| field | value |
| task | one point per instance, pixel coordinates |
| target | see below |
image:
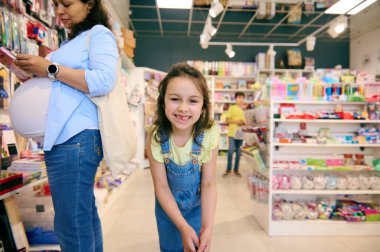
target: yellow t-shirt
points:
(234, 113)
(181, 155)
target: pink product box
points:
(335, 162)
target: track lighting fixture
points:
(204, 39)
(209, 27)
(216, 8)
(229, 51)
(310, 43)
(337, 26)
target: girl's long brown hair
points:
(162, 125)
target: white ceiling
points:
(365, 21)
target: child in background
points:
(182, 149)
(235, 118)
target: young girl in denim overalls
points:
(182, 150)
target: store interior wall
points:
(365, 46)
(161, 53)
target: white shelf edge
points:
(233, 90)
(319, 102)
(325, 145)
(325, 192)
(316, 170)
(24, 188)
(231, 102)
(323, 228)
(231, 77)
(325, 121)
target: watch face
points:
(52, 69)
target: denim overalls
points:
(185, 184)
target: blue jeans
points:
(233, 146)
(71, 169)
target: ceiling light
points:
(216, 8)
(361, 7)
(331, 31)
(341, 24)
(174, 4)
(337, 26)
(209, 27)
(343, 6)
(229, 51)
(204, 45)
(310, 43)
(205, 37)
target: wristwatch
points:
(52, 71)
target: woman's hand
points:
(189, 239)
(205, 240)
(33, 64)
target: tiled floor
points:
(130, 223)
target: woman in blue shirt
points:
(72, 142)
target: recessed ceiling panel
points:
(258, 29)
(231, 28)
(141, 26)
(232, 16)
(174, 14)
(143, 13)
(175, 26)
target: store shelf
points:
(24, 188)
(325, 121)
(326, 192)
(319, 102)
(230, 77)
(324, 228)
(324, 170)
(329, 150)
(233, 90)
(325, 145)
(230, 102)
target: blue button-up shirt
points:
(70, 110)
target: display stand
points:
(328, 151)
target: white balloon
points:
(28, 107)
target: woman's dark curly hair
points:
(97, 15)
(162, 125)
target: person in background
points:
(235, 119)
(72, 142)
(182, 148)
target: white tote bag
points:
(115, 125)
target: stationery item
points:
(7, 58)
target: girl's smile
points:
(183, 103)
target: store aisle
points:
(130, 223)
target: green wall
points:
(161, 53)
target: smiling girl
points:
(182, 150)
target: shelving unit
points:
(24, 188)
(263, 74)
(296, 151)
(146, 79)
